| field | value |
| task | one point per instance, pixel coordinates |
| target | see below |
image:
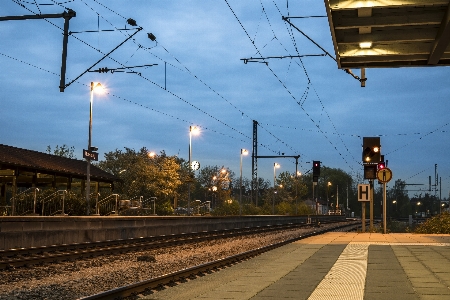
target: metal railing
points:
(108, 206)
(53, 204)
(150, 200)
(24, 203)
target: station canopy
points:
(35, 168)
(390, 33)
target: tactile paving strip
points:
(346, 279)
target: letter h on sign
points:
(363, 192)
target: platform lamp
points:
(95, 86)
(275, 166)
(243, 152)
(192, 130)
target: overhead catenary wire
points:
(301, 100)
(189, 71)
(173, 94)
(200, 80)
(153, 83)
(281, 82)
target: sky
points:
(304, 106)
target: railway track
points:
(145, 287)
(15, 258)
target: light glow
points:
(365, 45)
(97, 87)
(194, 130)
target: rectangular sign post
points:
(90, 155)
(384, 208)
(363, 192)
(363, 197)
(363, 217)
(371, 206)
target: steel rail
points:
(14, 258)
(145, 287)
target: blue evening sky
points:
(305, 107)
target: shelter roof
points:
(390, 33)
(34, 161)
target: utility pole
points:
(67, 16)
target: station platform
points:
(335, 265)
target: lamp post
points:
(214, 195)
(94, 87)
(275, 166)
(243, 152)
(328, 190)
(337, 198)
(192, 130)
(395, 202)
(418, 209)
(298, 173)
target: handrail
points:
(152, 199)
(13, 199)
(104, 200)
(61, 193)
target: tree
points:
(215, 183)
(64, 151)
(145, 174)
(401, 207)
(291, 187)
(334, 185)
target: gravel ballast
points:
(81, 278)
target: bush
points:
(439, 224)
(227, 209)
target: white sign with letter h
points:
(363, 192)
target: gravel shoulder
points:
(72, 280)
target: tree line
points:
(146, 174)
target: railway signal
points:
(371, 150)
(316, 170)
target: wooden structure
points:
(22, 168)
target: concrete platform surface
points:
(335, 265)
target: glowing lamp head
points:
(96, 87)
(194, 130)
(365, 45)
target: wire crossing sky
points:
(194, 73)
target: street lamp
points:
(192, 130)
(395, 202)
(94, 87)
(337, 198)
(275, 166)
(418, 208)
(328, 191)
(298, 173)
(243, 152)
